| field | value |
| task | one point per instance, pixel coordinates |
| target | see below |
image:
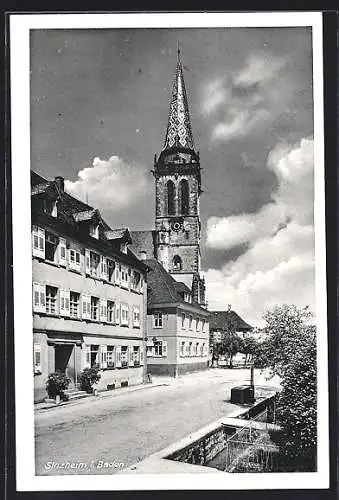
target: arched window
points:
(170, 198)
(177, 263)
(184, 196)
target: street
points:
(105, 435)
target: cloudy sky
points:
(99, 106)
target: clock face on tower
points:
(176, 225)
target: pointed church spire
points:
(179, 131)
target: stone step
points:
(78, 395)
(75, 393)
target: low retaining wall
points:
(174, 369)
(190, 453)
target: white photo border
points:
(26, 480)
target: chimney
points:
(60, 182)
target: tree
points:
(289, 350)
(230, 345)
(249, 347)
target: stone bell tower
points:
(177, 191)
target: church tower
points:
(177, 191)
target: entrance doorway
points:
(64, 362)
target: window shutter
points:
(186, 349)
(103, 310)
(39, 297)
(87, 261)
(103, 268)
(37, 358)
(131, 356)
(86, 356)
(118, 356)
(86, 307)
(117, 274)
(35, 242)
(38, 242)
(41, 236)
(62, 252)
(103, 356)
(117, 314)
(141, 354)
(67, 300)
(62, 307)
(149, 353)
(164, 349)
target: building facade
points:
(177, 326)
(89, 293)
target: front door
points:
(63, 360)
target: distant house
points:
(220, 322)
(177, 326)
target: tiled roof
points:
(162, 287)
(73, 211)
(218, 320)
(118, 234)
(143, 241)
(40, 188)
(182, 287)
(84, 215)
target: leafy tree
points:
(289, 350)
(249, 347)
(230, 346)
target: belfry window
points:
(170, 198)
(177, 263)
(184, 196)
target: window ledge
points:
(51, 263)
(76, 271)
(137, 327)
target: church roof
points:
(162, 288)
(143, 241)
(218, 320)
(179, 131)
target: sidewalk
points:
(104, 394)
(225, 376)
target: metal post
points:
(252, 376)
(75, 367)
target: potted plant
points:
(88, 377)
(56, 384)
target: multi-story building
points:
(89, 292)
(177, 326)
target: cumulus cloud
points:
(112, 184)
(278, 265)
(258, 68)
(245, 98)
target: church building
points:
(173, 246)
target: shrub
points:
(88, 377)
(56, 384)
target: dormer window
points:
(50, 207)
(123, 247)
(94, 231)
(187, 297)
(54, 212)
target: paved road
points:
(96, 436)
